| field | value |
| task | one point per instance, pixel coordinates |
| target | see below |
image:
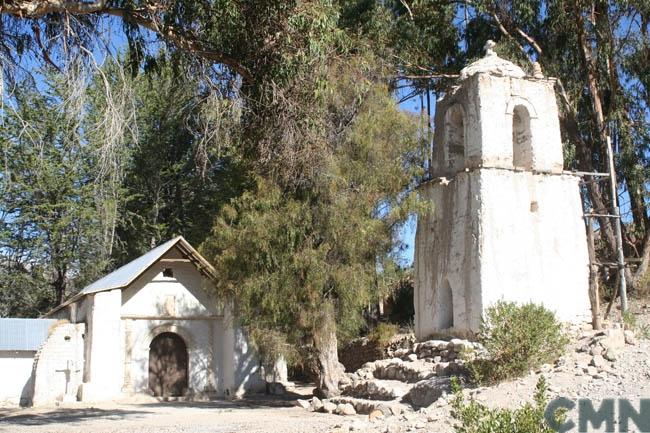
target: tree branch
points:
(35, 9)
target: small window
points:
(522, 149)
(168, 272)
(66, 338)
(455, 138)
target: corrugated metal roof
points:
(23, 334)
(122, 277)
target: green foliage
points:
(180, 169)
(50, 236)
(629, 320)
(517, 338)
(475, 417)
(286, 255)
(631, 323)
(383, 333)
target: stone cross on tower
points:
(508, 222)
(489, 44)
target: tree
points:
(301, 264)
(50, 243)
(180, 168)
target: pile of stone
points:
(365, 350)
(416, 376)
(601, 349)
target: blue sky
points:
(407, 234)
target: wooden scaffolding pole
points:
(594, 296)
(617, 227)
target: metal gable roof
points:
(24, 334)
(125, 275)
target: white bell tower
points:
(505, 222)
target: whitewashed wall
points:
(494, 231)
(15, 376)
(220, 362)
(58, 365)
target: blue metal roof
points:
(23, 334)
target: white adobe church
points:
(506, 222)
(150, 327)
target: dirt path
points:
(213, 417)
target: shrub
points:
(517, 338)
(383, 333)
(630, 323)
(474, 417)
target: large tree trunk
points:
(331, 371)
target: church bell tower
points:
(505, 221)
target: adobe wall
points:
(57, 370)
(220, 360)
(499, 234)
(104, 350)
(16, 376)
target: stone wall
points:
(58, 365)
(363, 350)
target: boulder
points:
(316, 404)
(345, 409)
(598, 361)
(328, 407)
(425, 392)
(305, 404)
(610, 355)
(613, 339)
(630, 338)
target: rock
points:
(345, 409)
(328, 407)
(591, 371)
(610, 355)
(305, 404)
(425, 392)
(276, 388)
(375, 415)
(358, 426)
(613, 339)
(385, 409)
(412, 357)
(596, 350)
(377, 389)
(393, 428)
(598, 361)
(316, 404)
(630, 338)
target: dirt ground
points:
(252, 415)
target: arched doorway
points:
(168, 365)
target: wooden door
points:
(168, 365)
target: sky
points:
(407, 233)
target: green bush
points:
(383, 333)
(474, 417)
(517, 338)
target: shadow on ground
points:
(250, 401)
(126, 410)
(69, 415)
